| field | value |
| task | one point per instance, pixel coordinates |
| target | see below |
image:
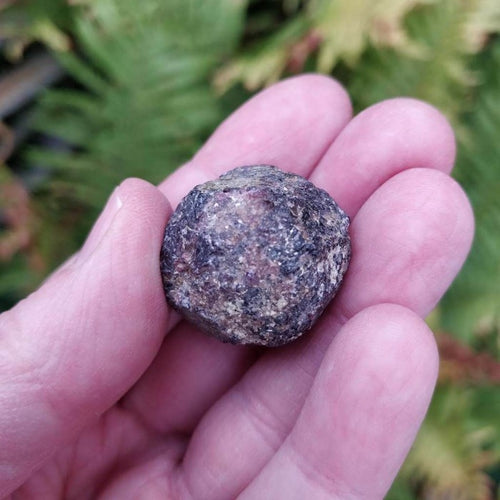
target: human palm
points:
(105, 393)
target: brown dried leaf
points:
(17, 215)
(461, 365)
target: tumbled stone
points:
(255, 256)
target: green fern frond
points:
(439, 75)
(453, 448)
(472, 305)
(148, 103)
(401, 489)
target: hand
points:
(105, 393)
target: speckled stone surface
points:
(255, 256)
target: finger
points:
(73, 347)
(362, 415)
(380, 142)
(290, 125)
(409, 239)
(385, 139)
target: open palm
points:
(105, 393)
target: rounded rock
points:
(255, 256)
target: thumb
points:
(75, 346)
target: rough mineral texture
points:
(255, 256)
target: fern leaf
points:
(453, 450)
(472, 305)
(148, 102)
(439, 74)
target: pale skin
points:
(105, 393)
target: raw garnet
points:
(255, 256)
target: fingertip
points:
(378, 143)
(307, 93)
(276, 124)
(410, 239)
(461, 205)
(138, 232)
(441, 202)
(130, 254)
(329, 94)
(364, 409)
(430, 126)
(141, 195)
(387, 333)
(373, 389)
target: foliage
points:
(471, 309)
(456, 446)
(148, 89)
(149, 80)
(34, 21)
(337, 31)
(140, 103)
(424, 54)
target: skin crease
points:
(104, 393)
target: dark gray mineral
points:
(255, 256)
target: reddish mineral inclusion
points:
(255, 256)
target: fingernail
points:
(102, 224)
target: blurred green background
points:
(93, 91)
